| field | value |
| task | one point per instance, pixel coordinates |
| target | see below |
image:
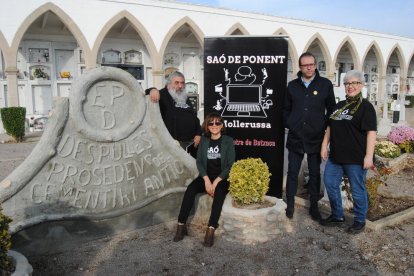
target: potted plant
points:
(11, 262)
(249, 181)
(391, 152)
(387, 149)
(249, 216)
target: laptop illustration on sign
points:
(243, 101)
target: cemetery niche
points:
(105, 159)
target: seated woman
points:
(215, 156)
(351, 136)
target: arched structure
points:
(165, 40)
(138, 27)
(195, 29)
(237, 29)
(48, 7)
(317, 39)
(348, 43)
(293, 67)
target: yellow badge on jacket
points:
(315, 92)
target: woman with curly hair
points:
(215, 156)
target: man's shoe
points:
(331, 221)
(356, 228)
(314, 212)
(181, 232)
(209, 238)
(289, 212)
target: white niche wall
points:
(58, 60)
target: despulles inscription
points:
(94, 175)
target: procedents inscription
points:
(92, 175)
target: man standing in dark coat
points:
(177, 111)
(308, 103)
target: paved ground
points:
(307, 249)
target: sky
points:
(394, 17)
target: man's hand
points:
(197, 140)
(155, 95)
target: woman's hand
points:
(325, 142)
(368, 162)
(215, 183)
(324, 153)
(208, 186)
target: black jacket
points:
(182, 123)
(306, 112)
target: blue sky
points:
(384, 16)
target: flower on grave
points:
(403, 136)
(387, 149)
(65, 74)
(39, 73)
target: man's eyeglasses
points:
(307, 65)
(215, 123)
(353, 84)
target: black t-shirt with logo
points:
(348, 140)
(214, 159)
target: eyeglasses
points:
(214, 123)
(307, 65)
(353, 84)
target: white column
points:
(12, 94)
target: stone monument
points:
(105, 162)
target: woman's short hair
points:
(354, 74)
(210, 118)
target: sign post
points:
(245, 82)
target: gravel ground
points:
(307, 249)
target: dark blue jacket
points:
(306, 112)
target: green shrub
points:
(249, 181)
(5, 241)
(13, 119)
(407, 146)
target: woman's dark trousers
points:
(196, 187)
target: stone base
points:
(22, 265)
(57, 236)
(253, 226)
(397, 164)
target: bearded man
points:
(177, 111)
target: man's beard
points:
(179, 97)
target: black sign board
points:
(245, 82)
